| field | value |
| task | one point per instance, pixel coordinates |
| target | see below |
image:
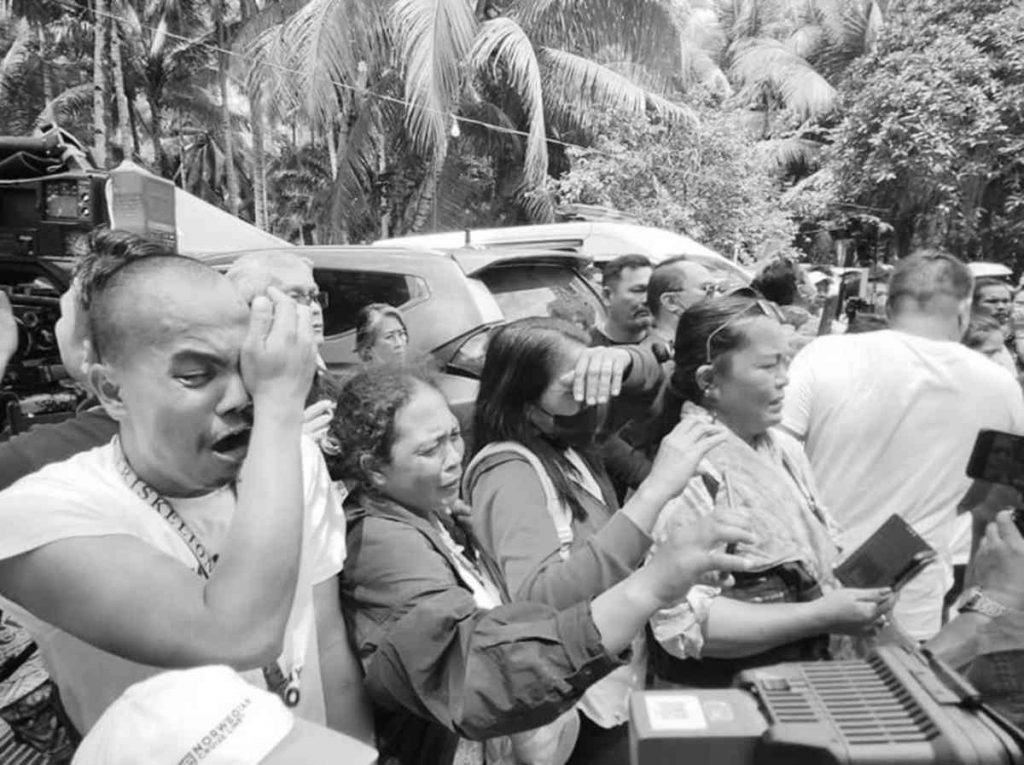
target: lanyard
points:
(805, 492)
(287, 687)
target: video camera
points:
(51, 198)
(899, 705)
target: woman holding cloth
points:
(731, 360)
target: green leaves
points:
(434, 37)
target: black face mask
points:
(576, 430)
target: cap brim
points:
(311, 744)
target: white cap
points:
(211, 716)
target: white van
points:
(601, 240)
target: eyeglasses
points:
(310, 296)
(765, 307)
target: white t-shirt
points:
(86, 496)
(889, 420)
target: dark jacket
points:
(438, 667)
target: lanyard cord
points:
(286, 687)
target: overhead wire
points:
(198, 41)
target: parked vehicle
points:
(600, 240)
(450, 302)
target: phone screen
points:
(998, 457)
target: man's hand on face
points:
(998, 565)
(279, 355)
(8, 330)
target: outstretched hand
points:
(693, 550)
(680, 454)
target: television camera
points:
(51, 199)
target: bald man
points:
(207, 532)
(256, 272)
(675, 285)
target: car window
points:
(348, 291)
(523, 290)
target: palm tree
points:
(450, 65)
(100, 125)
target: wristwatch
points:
(976, 600)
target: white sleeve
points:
(796, 407)
(679, 629)
(326, 519)
(36, 512)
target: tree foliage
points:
(709, 180)
(933, 132)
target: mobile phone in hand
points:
(998, 457)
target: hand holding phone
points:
(998, 457)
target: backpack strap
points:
(561, 516)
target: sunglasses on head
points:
(757, 306)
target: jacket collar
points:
(365, 505)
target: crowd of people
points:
(229, 528)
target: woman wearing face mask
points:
(543, 507)
(731, 361)
(449, 663)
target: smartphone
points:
(998, 457)
(891, 557)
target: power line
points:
(346, 86)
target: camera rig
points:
(51, 198)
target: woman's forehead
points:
(426, 415)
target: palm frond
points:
(763, 63)
(806, 41)
(317, 44)
(269, 60)
(17, 57)
(71, 104)
(271, 15)
(434, 37)
(503, 43)
(574, 86)
(647, 31)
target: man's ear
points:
(606, 294)
(106, 384)
(372, 470)
(669, 305)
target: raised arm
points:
(124, 596)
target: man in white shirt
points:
(207, 532)
(889, 419)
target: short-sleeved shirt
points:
(85, 496)
(889, 420)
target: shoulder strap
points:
(561, 516)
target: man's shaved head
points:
(149, 299)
